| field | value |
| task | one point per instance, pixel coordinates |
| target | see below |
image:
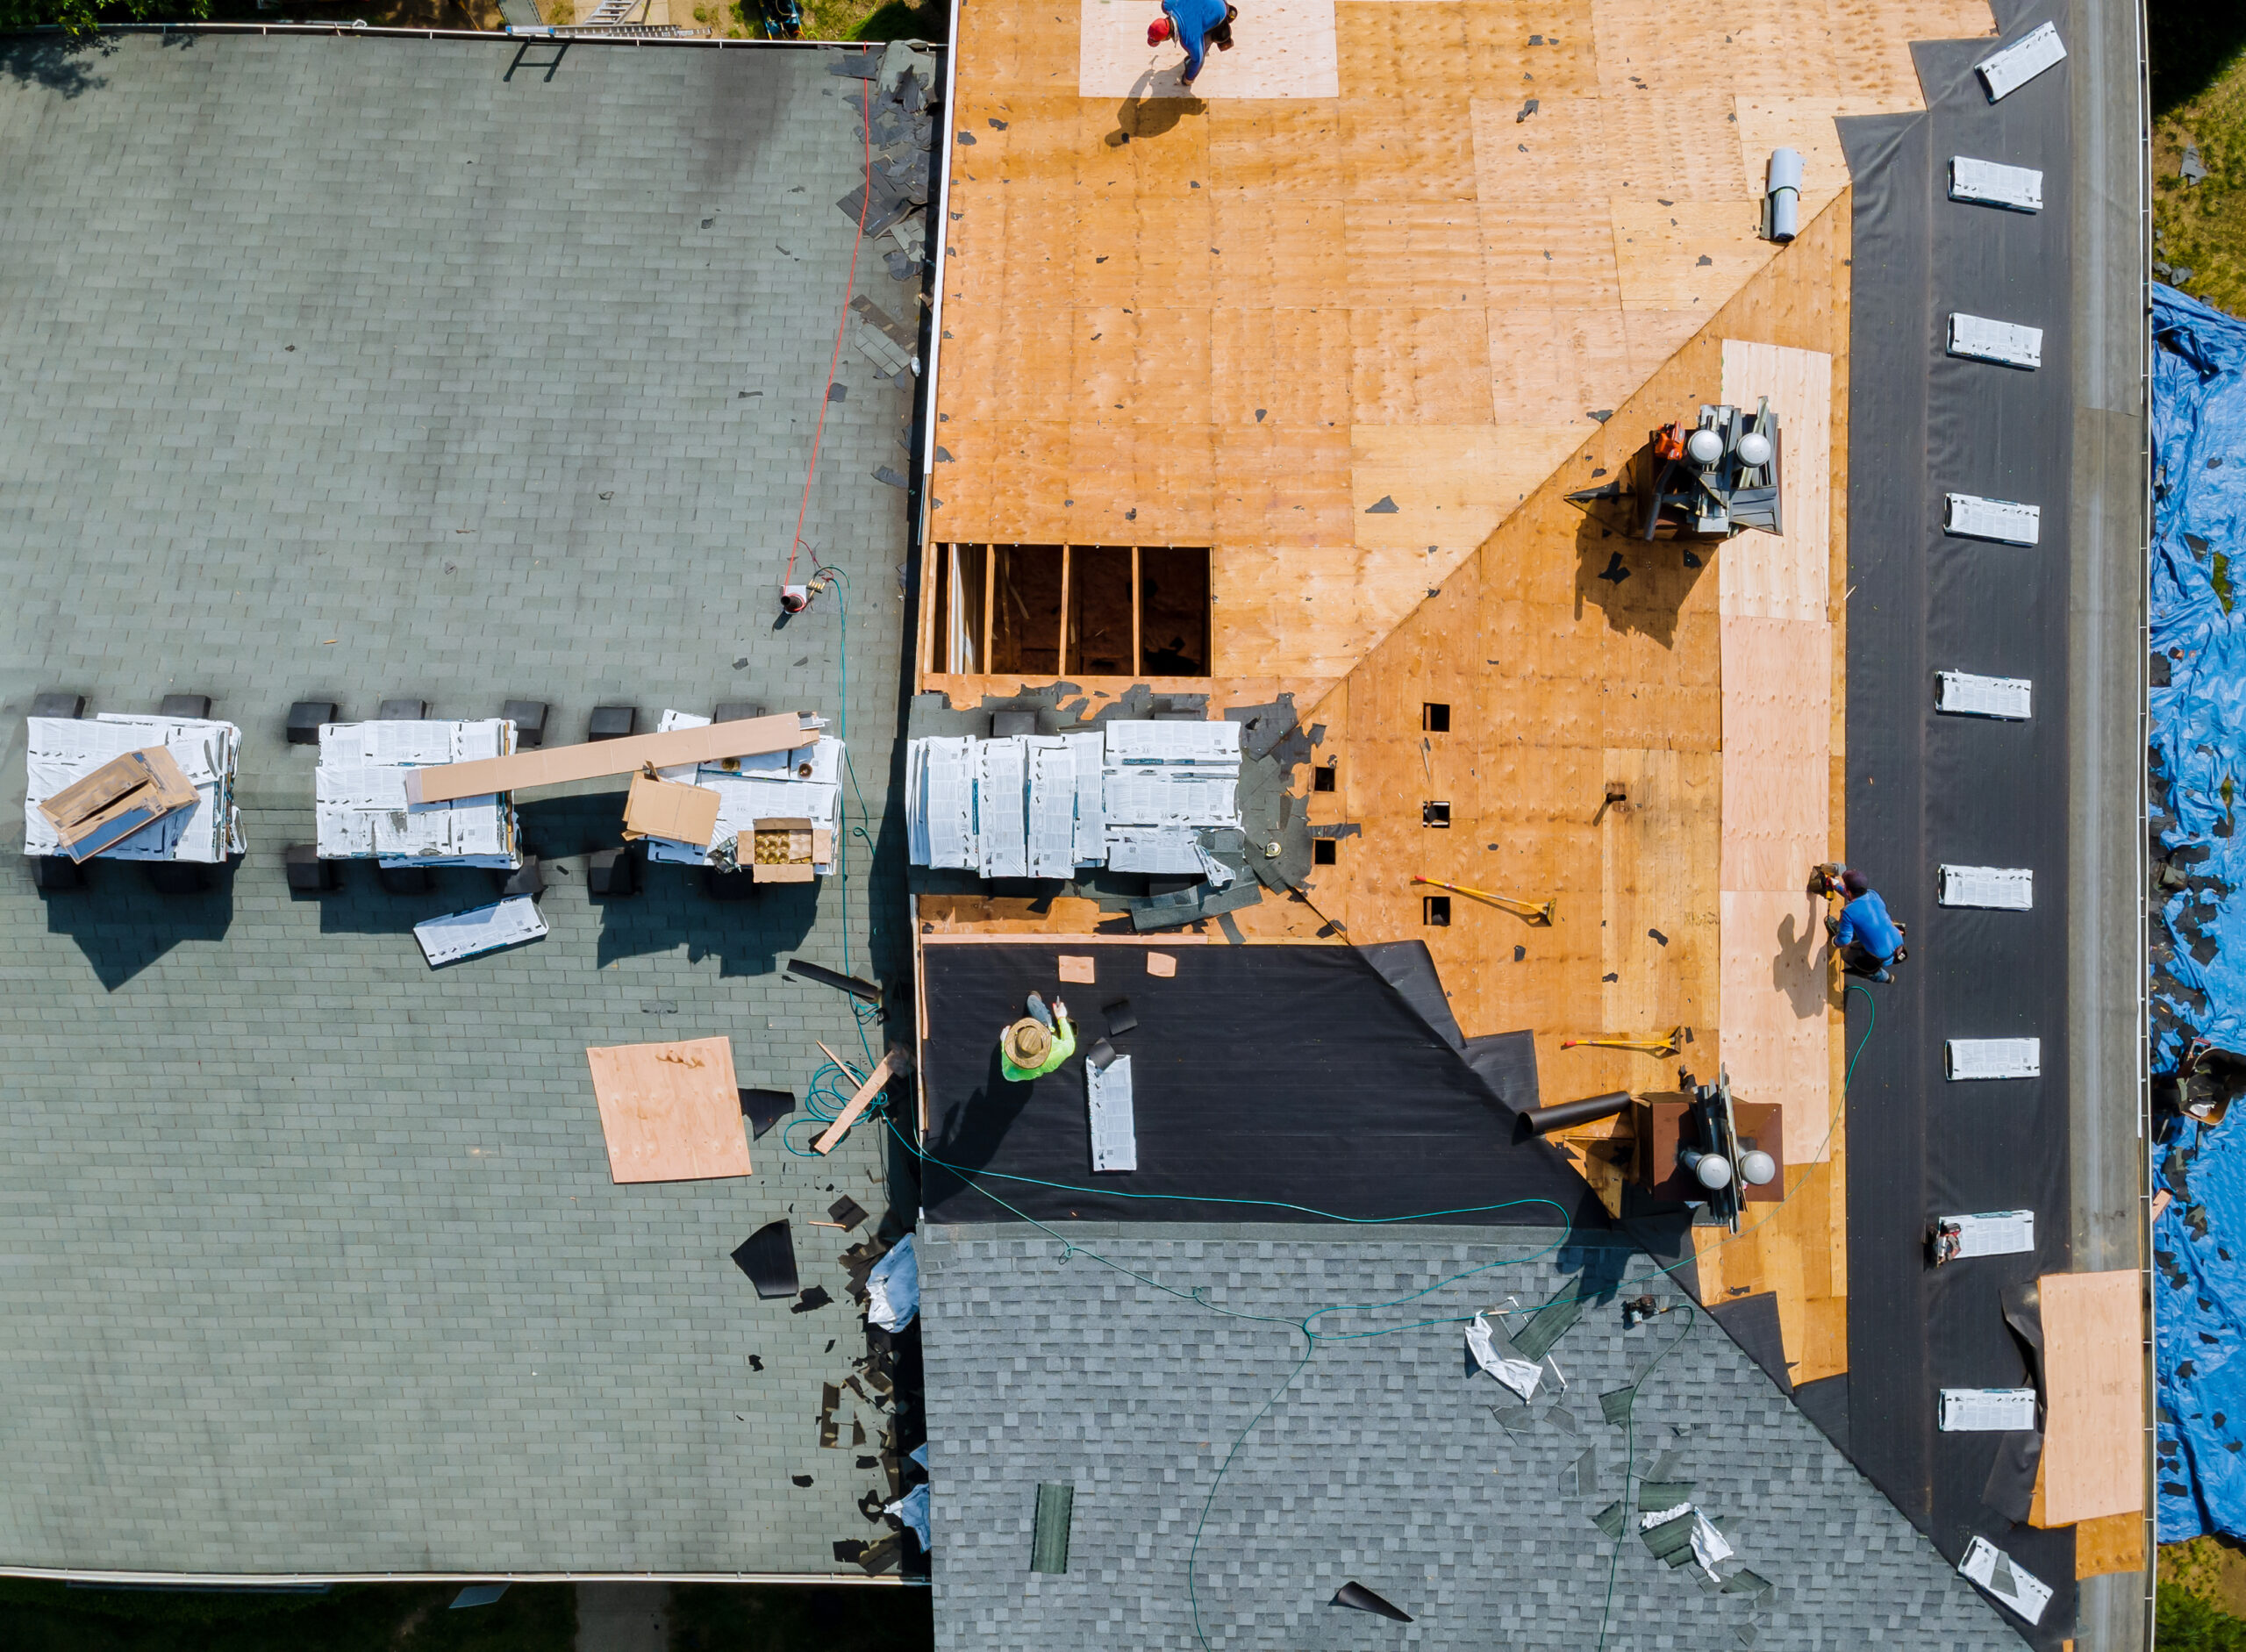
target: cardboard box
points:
(785, 849)
(670, 809)
(117, 799)
(555, 765)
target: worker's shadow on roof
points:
(1798, 968)
(1152, 108)
(122, 925)
(1639, 584)
(974, 1131)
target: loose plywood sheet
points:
(2093, 1368)
(1281, 49)
(671, 1112)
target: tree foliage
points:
(83, 18)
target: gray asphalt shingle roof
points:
(361, 368)
(1382, 1460)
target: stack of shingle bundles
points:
(63, 751)
(361, 809)
(1135, 795)
(1162, 785)
(801, 785)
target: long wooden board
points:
(2093, 1376)
(858, 1103)
(556, 765)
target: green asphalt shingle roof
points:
(349, 368)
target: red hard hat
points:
(1158, 30)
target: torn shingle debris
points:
(804, 969)
(1358, 1598)
(764, 1108)
(767, 1256)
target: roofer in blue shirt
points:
(1197, 25)
(1867, 939)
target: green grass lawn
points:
(2198, 98)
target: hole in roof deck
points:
(1322, 779)
(1026, 611)
(962, 574)
(1435, 911)
(1099, 611)
(1323, 852)
(1434, 717)
(1434, 814)
(1174, 611)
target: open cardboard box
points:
(670, 809)
(117, 799)
(785, 849)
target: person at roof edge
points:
(1039, 1042)
(1867, 940)
(1195, 24)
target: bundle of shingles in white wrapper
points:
(801, 785)
(1132, 796)
(64, 750)
(360, 807)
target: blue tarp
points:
(2198, 967)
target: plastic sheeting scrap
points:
(912, 1509)
(893, 1288)
(1708, 1545)
(2199, 965)
(1521, 1376)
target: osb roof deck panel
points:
(1245, 321)
(1575, 658)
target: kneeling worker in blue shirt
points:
(1197, 25)
(1868, 940)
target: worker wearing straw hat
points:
(1039, 1042)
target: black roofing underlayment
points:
(1296, 1075)
(1924, 789)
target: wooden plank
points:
(857, 1104)
(671, 1112)
(2093, 1369)
(557, 765)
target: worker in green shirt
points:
(1039, 1042)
